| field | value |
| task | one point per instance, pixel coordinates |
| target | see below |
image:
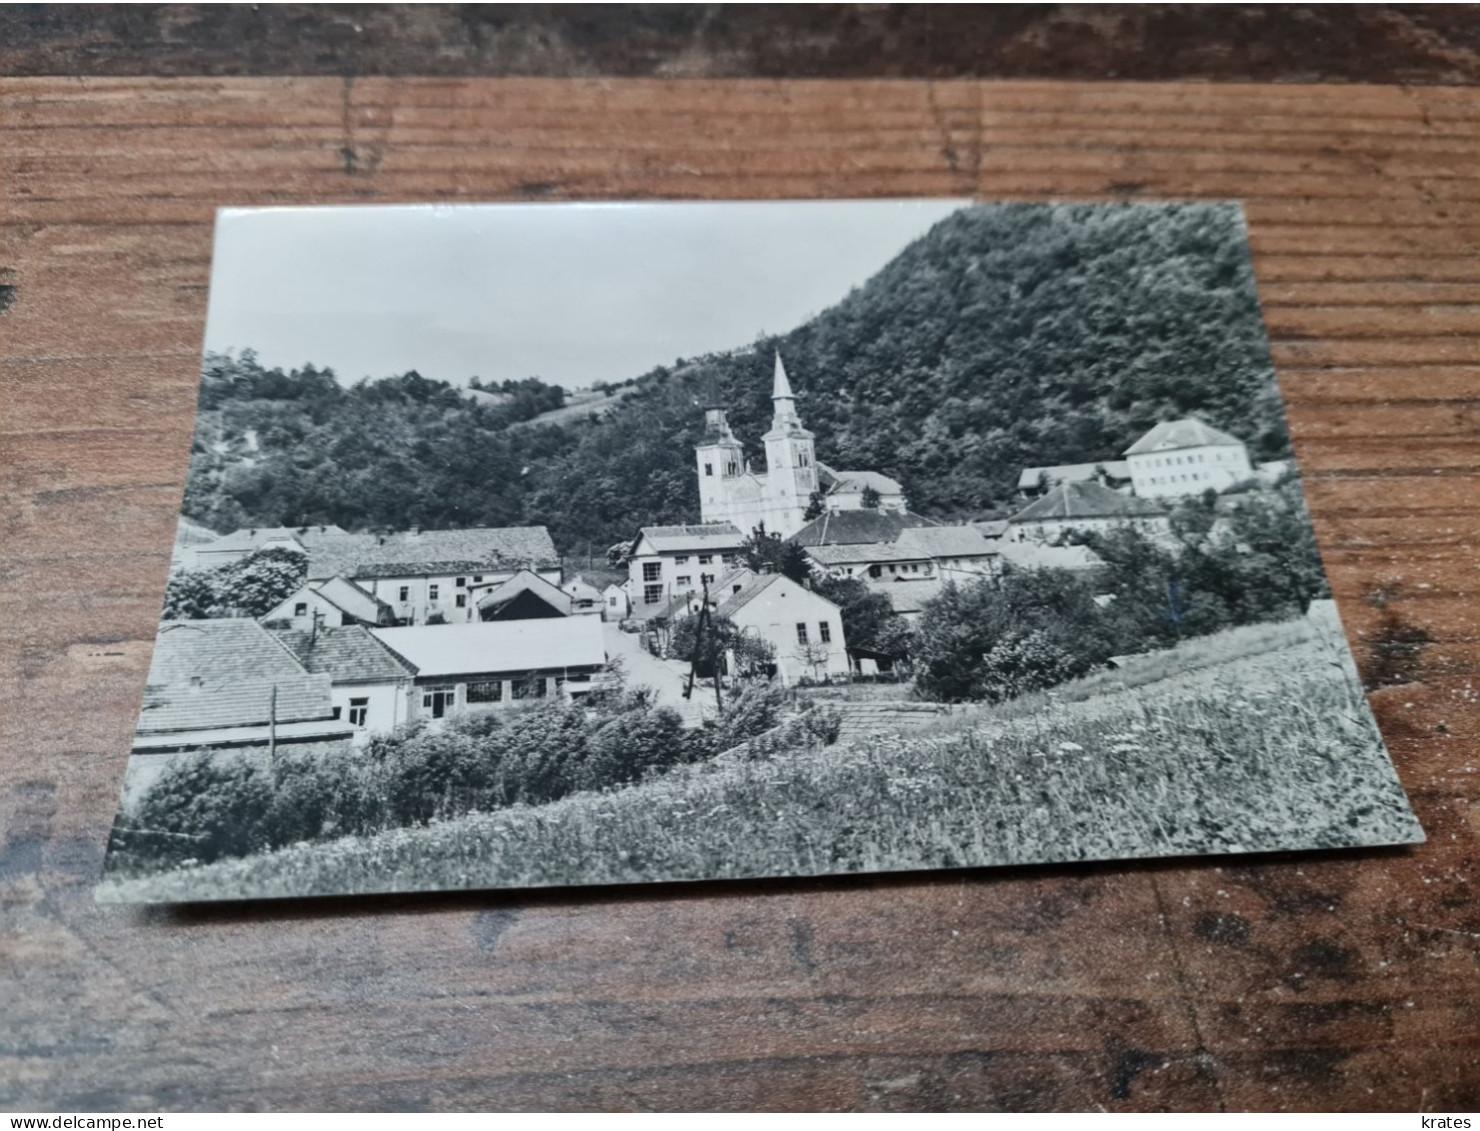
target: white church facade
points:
(779, 497)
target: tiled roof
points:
(221, 673)
(350, 654)
(992, 527)
(854, 482)
(737, 601)
(1170, 435)
(1085, 500)
(487, 647)
(250, 538)
(433, 552)
(526, 582)
(1039, 555)
(345, 595)
(864, 552)
(847, 527)
(705, 536)
(945, 542)
(910, 596)
(1073, 472)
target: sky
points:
(571, 293)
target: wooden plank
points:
(1313, 982)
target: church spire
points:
(784, 416)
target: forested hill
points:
(1006, 336)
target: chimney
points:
(415, 529)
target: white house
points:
(958, 553)
(1115, 473)
(525, 596)
(1084, 507)
(805, 629)
(333, 602)
(497, 664)
(1186, 457)
(370, 686)
(669, 561)
(585, 598)
(846, 490)
(616, 605)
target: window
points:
(727, 559)
(462, 600)
(681, 559)
(531, 688)
(705, 578)
(652, 594)
(801, 632)
(359, 709)
(611, 602)
(431, 592)
(683, 581)
(652, 571)
(461, 582)
(824, 632)
(491, 691)
(709, 469)
(300, 609)
(736, 587)
(706, 559)
(405, 593)
(477, 577)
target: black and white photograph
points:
(576, 544)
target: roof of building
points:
(348, 597)
(754, 586)
(1073, 472)
(703, 536)
(865, 552)
(856, 482)
(1040, 555)
(1087, 499)
(432, 552)
(909, 597)
(486, 647)
(188, 532)
(250, 538)
(836, 528)
(221, 673)
(945, 542)
(1170, 435)
(578, 585)
(526, 581)
(350, 654)
(992, 527)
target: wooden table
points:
(1306, 982)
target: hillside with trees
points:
(1006, 336)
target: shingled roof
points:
(702, 536)
(1170, 435)
(350, 654)
(429, 552)
(945, 542)
(1085, 500)
(221, 673)
(841, 528)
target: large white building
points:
(1186, 457)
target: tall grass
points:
(1272, 751)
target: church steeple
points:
(784, 416)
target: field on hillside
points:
(1274, 749)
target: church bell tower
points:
(791, 460)
(721, 460)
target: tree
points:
(251, 587)
(816, 504)
(752, 653)
(770, 553)
(871, 498)
(869, 620)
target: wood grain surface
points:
(1305, 982)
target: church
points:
(779, 497)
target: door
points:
(438, 700)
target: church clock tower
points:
(791, 461)
(721, 461)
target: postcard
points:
(569, 544)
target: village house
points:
(617, 605)
(668, 561)
(959, 553)
(804, 628)
(227, 688)
(228, 549)
(1084, 507)
(585, 598)
(1115, 474)
(332, 602)
(848, 490)
(489, 665)
(525, 596)
(1186, 457)
(370, 686)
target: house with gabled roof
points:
(525, 596)
(848, 490)
(1187, 457)
(228, 549)
(498, 664)
(1114, 473)
(665, 562)
(955, 552)
(1085, 507)
(332, 602)
(842, 528)
(227, 688)
(804, 628)
(370, 686)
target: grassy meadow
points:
(1255, 740)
